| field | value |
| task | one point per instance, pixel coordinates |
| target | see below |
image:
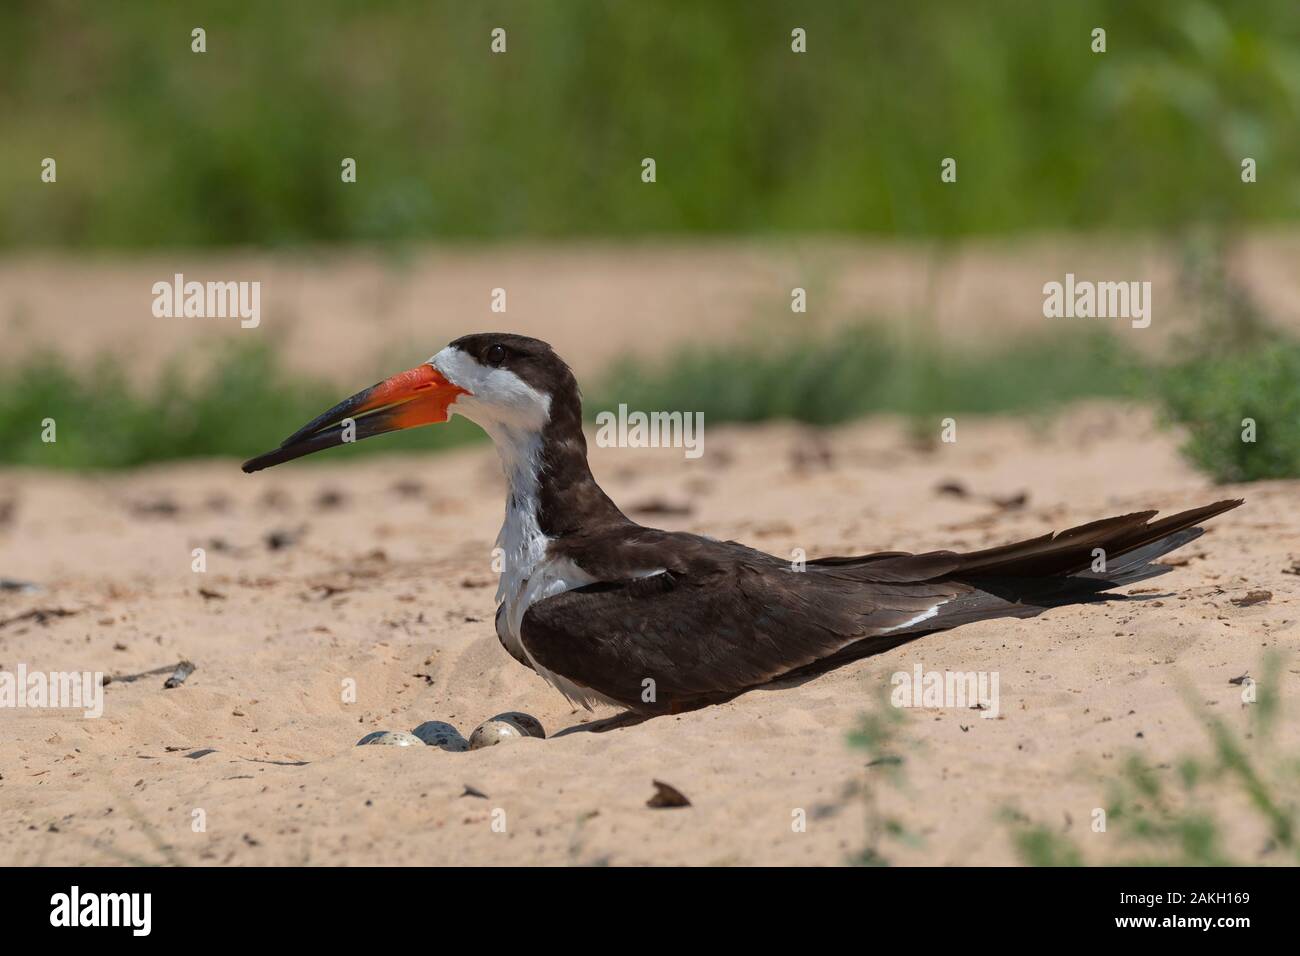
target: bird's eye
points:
(495, 355)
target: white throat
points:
(519, 446)
(521, 541)
(514, 414)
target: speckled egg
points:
(492, 732)
(526, 724)
(390, 738)
(442, 735)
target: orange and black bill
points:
(418, 396)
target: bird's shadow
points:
(617, 722)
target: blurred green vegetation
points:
(1235, 385)
(1170, 814)
(1239, 399)
(880, 733)
(238, 405)
(1241, 411)
(1156, 814)
(239, 402)
(859, 370)
(158, 146)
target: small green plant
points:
(1236, 385)
(1163, 815)
(1241, 411)
(1040, 845)
(878, 734)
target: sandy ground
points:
(386, 581)
(349, 316)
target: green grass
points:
(1235, 387)
(1169, 814)
(1218, 397)
(1155, 814)
(237, 406)
(240, 402)
(866, 369)
(879, 735)
(160, 147)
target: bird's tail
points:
(1079, 564)
(1019, 580)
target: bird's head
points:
(510, 385)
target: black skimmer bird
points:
(663, 621)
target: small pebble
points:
(442, 735)
(390, 738)
(1256, 596)
(526, 724)
(492, 732)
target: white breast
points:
(529, 573)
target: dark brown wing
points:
(722, 619)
